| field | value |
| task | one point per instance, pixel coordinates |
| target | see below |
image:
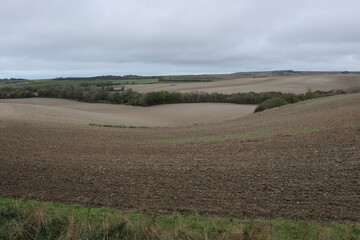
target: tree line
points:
(104, 94)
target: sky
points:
(61, 38)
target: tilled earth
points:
(300, 161)
(293, 84)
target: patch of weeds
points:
(114, 125)
(56, 130)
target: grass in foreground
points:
(36, 220)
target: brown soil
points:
(292, 84)
(170, 115)
(298, 161)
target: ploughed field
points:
(292, 84)
(73, 112)
(297, 161)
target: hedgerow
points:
(105, 94)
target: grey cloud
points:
(41, 38)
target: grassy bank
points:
(37, 220)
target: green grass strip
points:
(46, 220)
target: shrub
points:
(271, 103)
(155, 98)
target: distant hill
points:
(181, 78)
(289, 73)
(14, 81)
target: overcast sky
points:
(53, 38)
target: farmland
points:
(257, 166)
(297, 162)
(293, 84)
(111, 80)
(170, 115)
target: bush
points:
(271, 103)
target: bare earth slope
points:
(298, 161)
(170, 115)
(292, 84)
